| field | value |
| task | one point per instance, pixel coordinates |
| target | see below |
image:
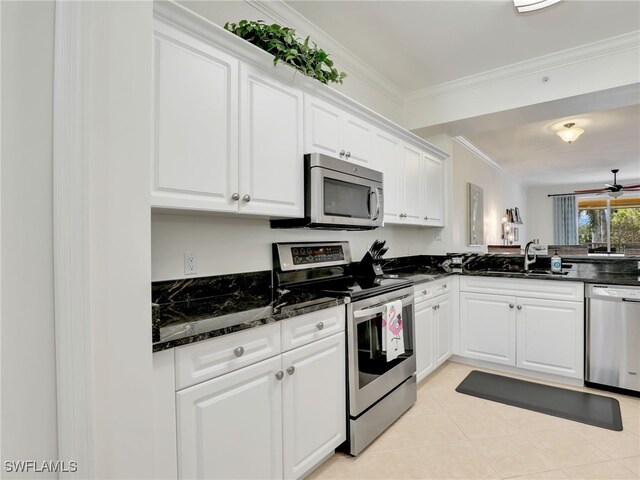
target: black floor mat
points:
(596, 410)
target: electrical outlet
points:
(439, 235)
(638, 265)
(190, 263)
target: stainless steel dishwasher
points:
(612, 339)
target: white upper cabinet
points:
(228, 136)
(196, 116)
(332, 131)
(389, 161)
(433, 191)
(271, 157)
(412, 185)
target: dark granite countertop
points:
(189, 310)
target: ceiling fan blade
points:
(627, 187)
(593, 190)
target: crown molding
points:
(583, 53)
(479, 153)
(286, 15)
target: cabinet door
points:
(551, 336)
(196, 124)
(433, 199)
(488, 327)
(389, 161)
(322, 127)
(222, 421)
(357, 140)
(412, 176)
(424, 328)
(442, 331)
(313, 403)
(271, 158)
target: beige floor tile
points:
(482, 423)
(631, 463)
(615, 444)
(459, 460)
(425, 430)
(339, 466)
(452, 401)
(600, 471)
(396, 464)
(513, 455)
(565, 448)
(426, 404)
(631, 423)
(550, 475)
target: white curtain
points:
(565, 220)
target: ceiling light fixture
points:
(569, 133)
(523, 6)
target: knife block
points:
(368, 267)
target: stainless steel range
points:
(379, 390)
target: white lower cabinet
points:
(432, 326)
(525, 330)
(277, 418)
(231, 426)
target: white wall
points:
(501, 191)
(236, 244)
(28, 357)
(118, 155)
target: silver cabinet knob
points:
(433, 308)
(320, 325)
(247, 198)
(280, 375)
(519, 307)
(348, 154)
(235, 196)
(438, 307)
(511, 305)
(444, 285)
(238, 351)
(291, 370)
(424, 292)
(426, 218)
(342, 152)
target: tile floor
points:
(448, 435)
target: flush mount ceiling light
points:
(569, 133)
(523, 6)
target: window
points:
(609, 225)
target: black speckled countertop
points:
(189, 310)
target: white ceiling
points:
(419, 44)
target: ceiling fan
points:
(614, 190)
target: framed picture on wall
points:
(476, 215)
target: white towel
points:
(392, 335)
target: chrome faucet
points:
(533, 245)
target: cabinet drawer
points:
(524, 287)
(298, 331)
(212, 358)
(425, 291)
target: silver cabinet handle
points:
(438, 307)
(342, 152)
(247, 198)
(519, 307)
(238, 351)
(426, 218)
(320, 325)
(402, 215)
(235, 196)
(511, 305)
(280, 375)
(433, 308)
(444, 285)
(348, 154)
(291, 370)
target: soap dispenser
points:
(556, 263)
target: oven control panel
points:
(296, 256)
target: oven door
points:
(370, 376)
(338, 198)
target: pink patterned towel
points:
(392, 337)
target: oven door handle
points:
(368, 312)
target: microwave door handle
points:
(373, 193)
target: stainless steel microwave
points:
(338, 196)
